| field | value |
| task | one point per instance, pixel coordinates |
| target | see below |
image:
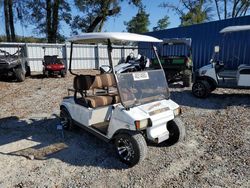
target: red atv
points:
(53, 66)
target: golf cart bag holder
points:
(85, 83)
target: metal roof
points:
(112, 36)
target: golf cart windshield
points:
(138, 88)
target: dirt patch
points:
(33, 153)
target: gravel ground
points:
(33, 153)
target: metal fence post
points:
(27, 54)
(66, 56)
(123, 53)
(97, 60)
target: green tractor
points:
(177, 60)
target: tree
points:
(139, 23)
(238, 7)
(191, 11)
(9, 21)
(47, 15)
(198, 13)
(162, 24)
(96, 13)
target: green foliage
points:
(231, 9)
(139, 23)
(95, 13)
(162, 24)
(198, 13)
(25, 39)
(191, 11)
(47, 15)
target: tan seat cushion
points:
(89, 82)
(108, 80)
(116, 98)
(98, 101)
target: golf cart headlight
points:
(177, 111)
(203, 72)
(142, 124)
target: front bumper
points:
(158, 131)
(54, 72)
(6, 66)
(158, 134)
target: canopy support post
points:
(70, 59)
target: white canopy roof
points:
(235, 28)
(113, 36)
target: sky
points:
(114, 24)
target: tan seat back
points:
(88, 82)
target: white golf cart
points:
(214, 75)
(124, 108)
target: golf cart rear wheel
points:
(46, 74)
(28, 71)
(187, 78)
(131, 148)
(20, 74)
(177, 131)
(63, 73)
(66, 120)
(201, 89)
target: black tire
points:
(46, 74)
(177, 131)
(28, 71)
(63, 74)
(20, 74)
(201, 89)
(66, 120)
(187, 78)
(131, 148)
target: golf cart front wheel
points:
(20, 74)
(187, 78)
(66, 120)
(131, 148)
(46, 74)
(201, 89)
(63, 74)
(177, 131)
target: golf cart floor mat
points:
(102, 127)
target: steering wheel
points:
(131, 55)
(143, 62)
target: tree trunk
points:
(217, 9)
(225, 9)
(55, 20)
(7, 23)
(48, 21)
(101, 18)
(93, 25)
(240, 10)
(11, 21)
(246, 9)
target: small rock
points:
(31, 157)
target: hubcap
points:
(199, 89)
(64, 121)
(125, 149)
